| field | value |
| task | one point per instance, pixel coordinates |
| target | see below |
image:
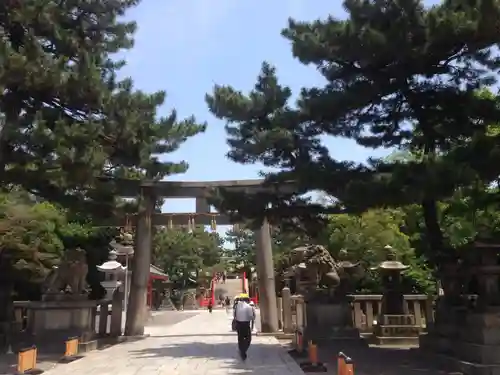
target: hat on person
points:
(244, 295)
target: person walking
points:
(244, 314)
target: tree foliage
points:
(29, 244)
(33, 238)
(363, 238)
(397, 75)
(183, 254)
(243, 245)
(66, 120)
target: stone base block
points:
(488, 319)
(395, 341)
(468, 351)
(44, 318)
(321, 316)
(397, 320)
(478, 335)
(467, 368)
(87, 346)
(398, 331)
(431, 343)
(476, 353)
(332, 333)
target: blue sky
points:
(187, 46)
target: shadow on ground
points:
(45, 361)
(260, 359)
(378, 360)
(49, 356)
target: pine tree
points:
(66, 120)
(397, 75)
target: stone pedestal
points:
(466, 333)
(468, 342)
(445, 331)
(51, 322)
(330, 321)
(397, 330)
(46, 318)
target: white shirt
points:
(244, 312)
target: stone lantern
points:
(396, 326)
(112, 270)
(390, 272)
(124, 247)
(350, 273)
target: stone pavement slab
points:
(201, 345)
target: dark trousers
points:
(244, 336)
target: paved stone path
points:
(201, 345)
(48, 357)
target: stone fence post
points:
(286, 296)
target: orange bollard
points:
(313, 364)
(298, 349)
(300, 342)
(71, 347)
(341, 363)
(26, 360)
(313, 354)
(349, 366)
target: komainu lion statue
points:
(70, 274)
(314, 265)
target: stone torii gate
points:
(149, 191)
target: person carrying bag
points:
(244, 314)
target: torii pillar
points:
(265, 279)
(137, 310)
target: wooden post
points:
(265, 277)
(137, 307)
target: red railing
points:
(205, 301)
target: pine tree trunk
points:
(434, 232)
